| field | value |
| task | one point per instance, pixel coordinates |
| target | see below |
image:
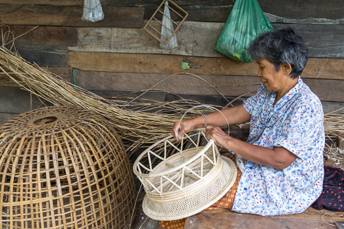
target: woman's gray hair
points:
(281, 46)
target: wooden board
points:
(6, 116)
(205, 13)
(199, 39)
(169, 64)
(321, 40)
(177, 84)
(194, 39)
(44, 45)
(233, 86)
(217, 11)
(224, 219)
(53, 36)
(304, 9)
(16, 100)
(127, 17)
(194, 2)
(62, 72)
(71, 2)
(327, 90)
(44, 2)
(44, 56)
(205, 10)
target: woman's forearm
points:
(278, 158)
(230, 115)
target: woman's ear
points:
(286, 68)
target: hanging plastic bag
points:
(245, 23)
(93, 11)
(168, 38)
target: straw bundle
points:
(135, 127)
(63, 168)
(334, 122)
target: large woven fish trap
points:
(63, 168)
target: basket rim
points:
(156, 216)
(174, 169)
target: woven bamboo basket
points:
(63, 168)
(185, 178)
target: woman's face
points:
(272, 79)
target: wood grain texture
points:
(205, 13)
(44, 2)
(53, 36)
(199, 39)
(62, 72)
(321, 40)
(44, 45)
(206, 85)
(206, 10)
(176, 84)
(69, 16)
(16, 100)
(216, 11)
(221, 219)
(318, 68)
(304, 9)
(44, 56)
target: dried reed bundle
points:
(334, 122)
(133, 126)
(175, 108)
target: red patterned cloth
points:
(332, 196)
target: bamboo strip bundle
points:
(63, 167)
(135, 127)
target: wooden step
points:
(224, 219)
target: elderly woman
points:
(283, 172)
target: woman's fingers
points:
(217, 134)
(212, 131)
(178, 130)
(209, 132)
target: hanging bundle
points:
(93, 11)
(168, 37)
(245, 23)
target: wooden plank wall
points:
(129, 60)
(44, 30)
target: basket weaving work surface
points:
(63, 168)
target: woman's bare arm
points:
(278, 157)
(233, 115)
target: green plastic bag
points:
(245, 23)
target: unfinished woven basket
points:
(184, 178)
(63, 168)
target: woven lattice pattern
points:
(183, 178)
(63, 168)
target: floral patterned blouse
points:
(295, 123)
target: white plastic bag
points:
(168, 37)
(92, 11)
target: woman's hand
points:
(180, 128)
(219, 136)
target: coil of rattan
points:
(63, 168)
